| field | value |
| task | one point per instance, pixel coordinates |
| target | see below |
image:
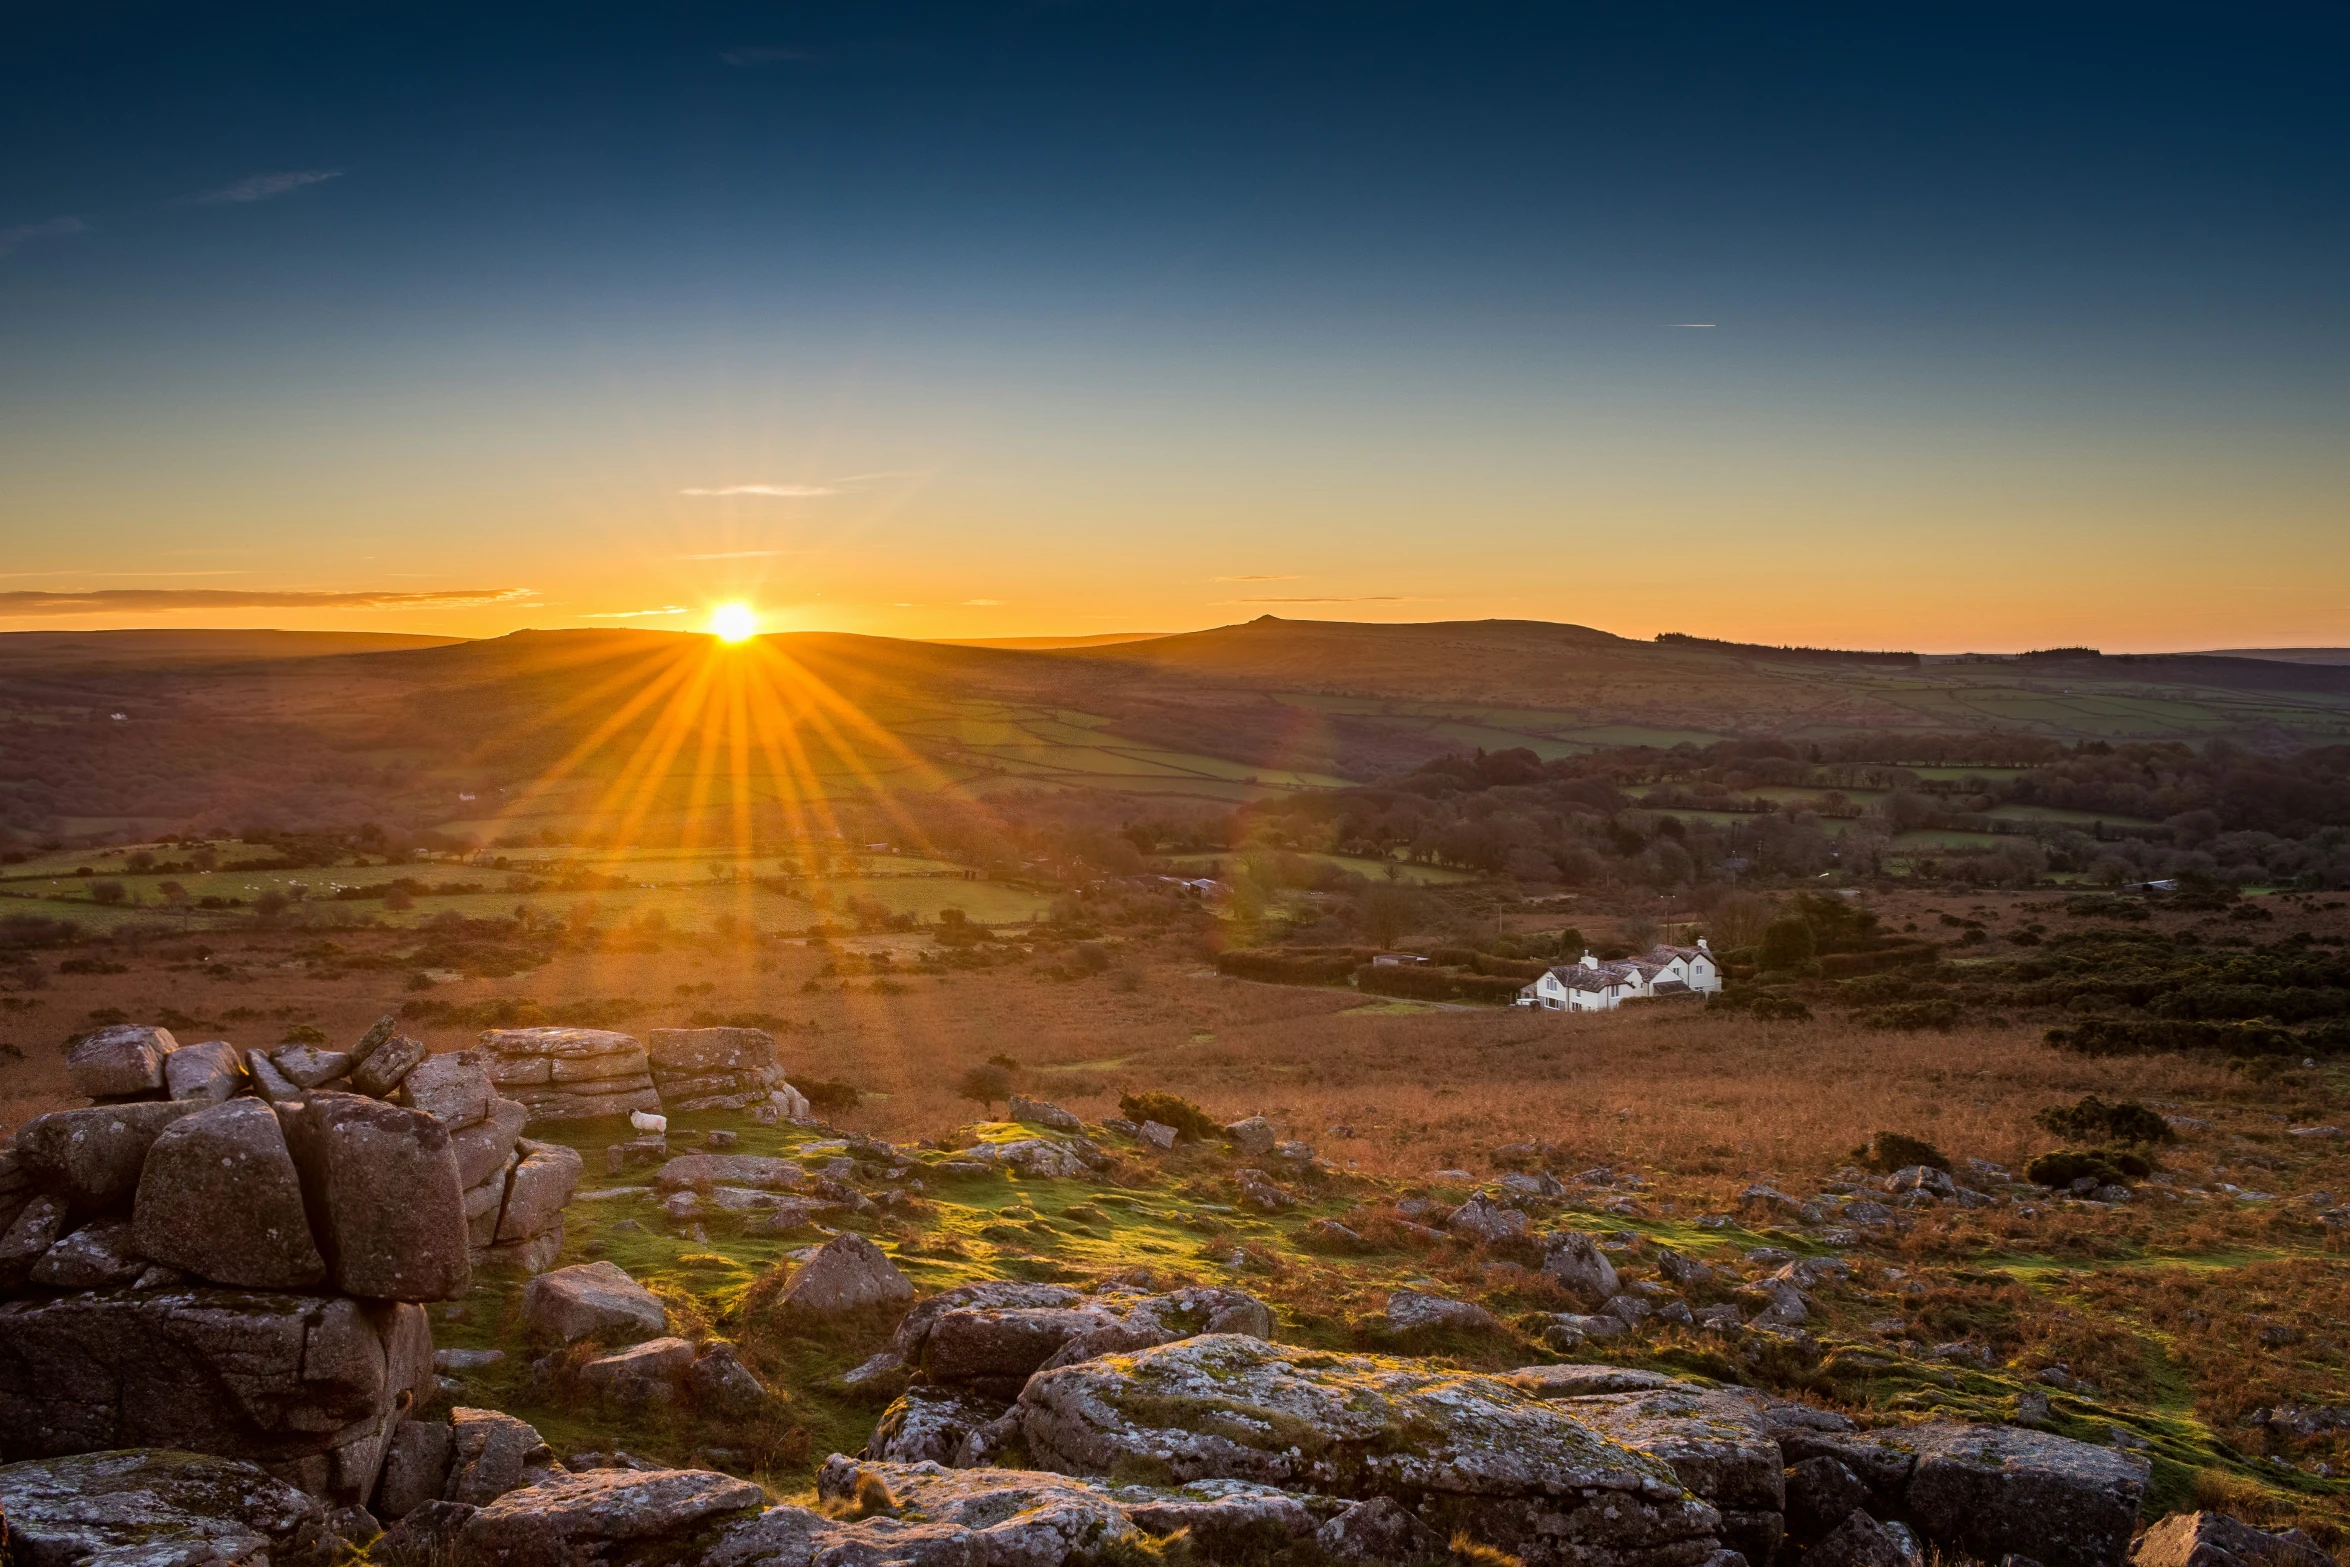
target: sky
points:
(1934, 326)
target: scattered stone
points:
(1483, 1219)
(491, 1454)
(730, 1169)
(1409, 1311)
(1861, 1541)
(219, 1198)
(653, 1372)
(1158, 1134)
(571, 1520)
(206, 1073)
(593, 1299)
(273, 1084)
(1573, 1381)
(2205, 1539)
(1991, 1490)
(1252, 1138)
(537, 1190)
(1257, 1191)
(930, 1424)
(848, 1275)
(416, 1467)
(1332, 1236)
(38, 1225)
(1575, 1260)
(125, 1059)
(1038, 1112)
(721, 1384)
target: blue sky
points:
(1938, 325)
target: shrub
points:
(1325, 966)
(304, 1034)
(1786, 944)
(1780, 1009)
(2109, 1036)
(1188, 1119)
(2093, 1120)
(2107, 1166)
(830, 1093)
(1890, 1151)
(1434, 984)
(1911, 1016)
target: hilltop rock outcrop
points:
(571, 1074)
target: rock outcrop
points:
(155, 1509)
(713, 1068)
(571, 1074)
(1465, 1450)
(593, 1300)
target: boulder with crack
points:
(1468, 1451)
(1716, 1443)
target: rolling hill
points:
(648, 728)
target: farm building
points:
(1593, 986)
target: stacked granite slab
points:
(215, 1259)
(570, 1074)
(714, 1068)
(514, 1187)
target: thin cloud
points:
(636, 614)
(1368, 598)
(259, 187)
(761, 54)
(14, 239)
(983, 603)
(1707, 324)
(1262, 577)
(736, 555)
(789, 492)
(140, 601)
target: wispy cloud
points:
(259, 187)
(141, 601)
(636, 614)
(788, 492)
(1367, 598)
(1708, 324)
(1261, 577)
(761, 54)
(736, 555)
(982, 603)
(15, 239)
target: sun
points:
(734, 622)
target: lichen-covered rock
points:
(537, 1190)
(1716, 1443)
(1516, 1471)
(653, 1372)
(491, 1454)
(571, 1074)
(307, 1066)
(125, 1059)
(98, 1254)
(1582, 1381)
(416, 1468)
(1575, 1260)
(849, 1275)
(996, 1349)
(219, 1198)
(1821, 1493)
(1252, 1138)
(453, 1088)
(1224, 1519)
(729, 1169)
(380, 1184)
(1039, 1112)
(1411, 1311)
(692, 1051)
(593, 1299)
(1996, 1490)
(2216, 1540)
(720, 1384)
(38, 1225)
(585, 1520)
(207, 1072)
(146, 1507)
(929, 1424)
(91, 1158)
(1378, 1531)
(388, 1065)
(913, 1329)
(1483, 1219)
(1861, 1541)
(486, 1147)
(993, 1337)
(309, 1386)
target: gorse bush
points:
(1188, 1119)
(1890, 1151)
(2095, 1121)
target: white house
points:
(1593, 986)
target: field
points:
(1960, 1312)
